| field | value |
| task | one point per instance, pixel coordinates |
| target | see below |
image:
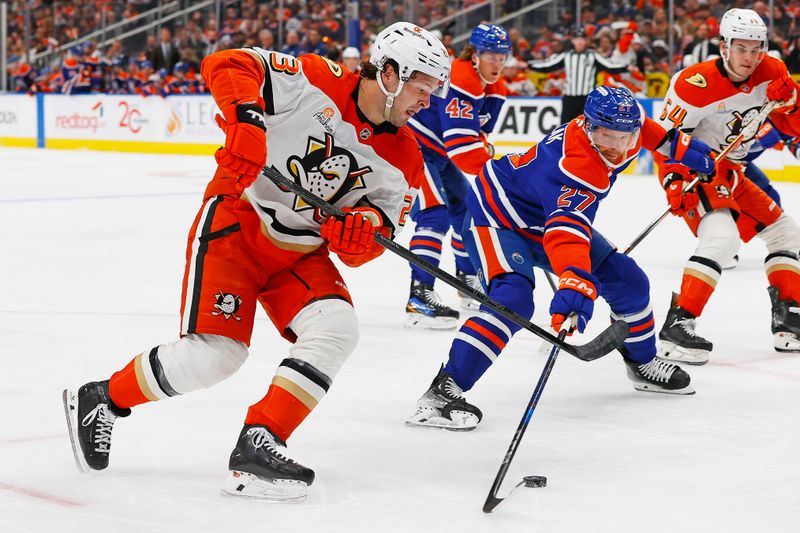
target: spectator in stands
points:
(793, 57)
(351, 59)
(517, 82)
(701, 48)
(313, 44)
(266, 39)
(292, 46)
(165, 54)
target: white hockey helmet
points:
(414, 49)
(742, 24)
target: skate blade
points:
(432, 419)
(246, 485)
(649, 387)
(674, 353)
(70, 400)
(418, 321)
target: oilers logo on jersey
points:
(326, 170)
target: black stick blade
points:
(491, 503)
(610, 339)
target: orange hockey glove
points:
(784, 90)
(679, 202)
(353, 237)
(245, 151)
(577, 291)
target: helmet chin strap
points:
(389, 96)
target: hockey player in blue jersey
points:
(453, 137)
(536, 210)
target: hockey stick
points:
(610, 339)
(492, 500)
(747, 131)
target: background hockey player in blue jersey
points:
(536, 209)
(453, 136)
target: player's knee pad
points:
(718, 237)
(327, 333)
(623, 284)
(782, 235)
(196, 361)
(435, 219)
(515, 292)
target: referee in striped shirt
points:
(580, 67)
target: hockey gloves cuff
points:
(577, 290)
(679, 202)
(352, 237)
(690, 152)
(783, 90)
(245, 151)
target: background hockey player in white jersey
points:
(713, 100)
(339, 134)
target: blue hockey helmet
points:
(490, 38)
(614, 108)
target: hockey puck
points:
(535, 481)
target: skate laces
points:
(262, 438)
(687, 325)
(102, 431)
(657, 370)
(450, 390)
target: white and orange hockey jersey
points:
(317, 136)
(703, 101)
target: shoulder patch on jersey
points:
(698, 80)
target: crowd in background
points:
(166, 60)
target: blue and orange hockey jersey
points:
(457, 126)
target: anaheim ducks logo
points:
(736, 124)
(227, 305)
(326, 170)
(698, 80)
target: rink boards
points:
(185, 125)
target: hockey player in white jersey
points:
(342, 136)
(713, 100)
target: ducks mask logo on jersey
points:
(739, 119)
(227, 305)
(326, 170)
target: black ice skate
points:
(426, 310)
(679, 342)
(260, 469)
(785, 322)
(90, 418)
(472, 281)
(443, 406)
(658, 376)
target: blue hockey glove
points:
(577, 290)
(768, 135)
(690, 152)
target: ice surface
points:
(92, 257)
